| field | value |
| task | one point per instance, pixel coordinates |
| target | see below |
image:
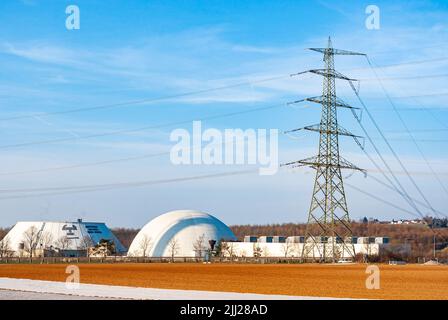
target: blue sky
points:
(133, 50)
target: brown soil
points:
(397, 282)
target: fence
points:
(124, 259)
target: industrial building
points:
(289, 247)
(190, 233)
(181, 233)
(68, 239)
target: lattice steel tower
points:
(328, 235)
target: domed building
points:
(180, 233)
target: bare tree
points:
(145, 245)
(5, 248)
(287, 248)
(85, 244)
(229, 250)
(63, 243)
(257, 251)
(30, 240)
(199, 246)
(173, 247)
(223, 248)
(45, 240)
(3, 232)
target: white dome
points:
(180, 229)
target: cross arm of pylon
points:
(318, 128)
(326, 73)
(314, 162)
(337, 51)
(320, 100)
(331, 73)
(345, 164)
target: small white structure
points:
(180, 233)
(61, 238)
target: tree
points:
(257, 251)
(218, 252)
(104, 248)
(145, 245)
(85, 244)
(30, 240)
(287, 248)
(45, 241)
(173, 247)
(222, 248)
(199, 246)
(3, 232)
(5, 248)
(63, 243)
(228, 248)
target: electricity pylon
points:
(328, 235)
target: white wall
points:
(246, 249)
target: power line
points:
(412, 62)
(382, 200)
(403, 191)
(408, 77)
(390, 148)
(418, 130)
(152, 155)
(437, 119)
(400, 186)
(123, 131)
(412, 138)
(391, 188)
(95, 163)
(414, 173)
(184, 94)
(87, 164)
(141, 101)
(421, 95)
(366, 133)
(409, 49)
(421, 140)
(413, 109)
(103, 187)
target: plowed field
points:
(396, 282)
